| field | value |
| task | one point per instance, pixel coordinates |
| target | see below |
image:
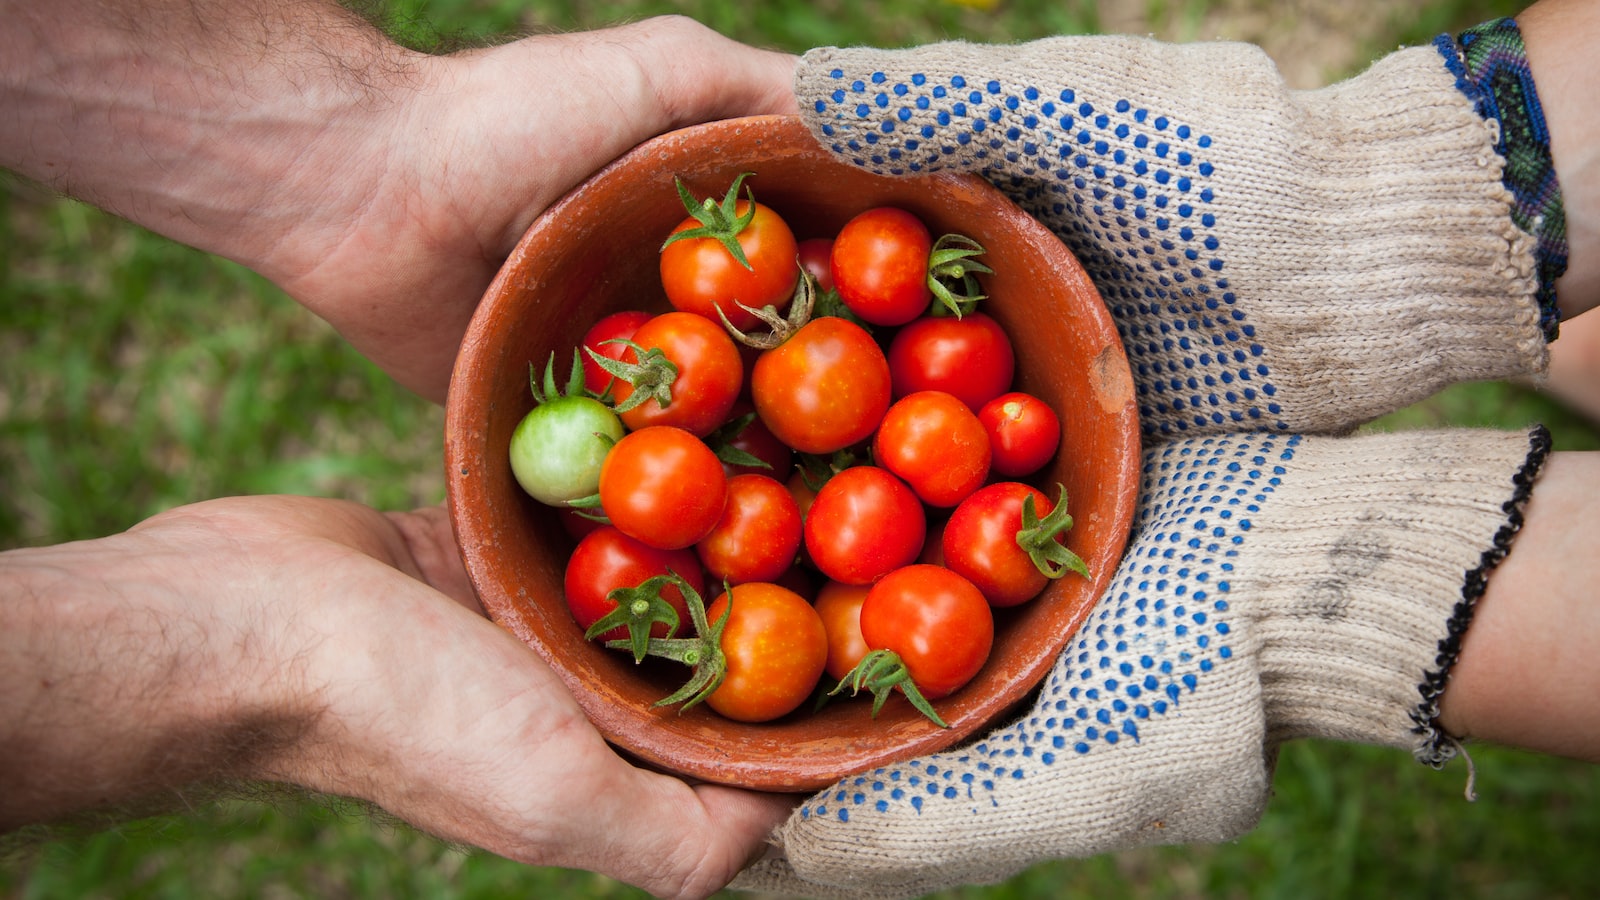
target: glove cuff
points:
(1491, 67)
(1378, 568)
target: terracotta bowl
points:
(594, 253)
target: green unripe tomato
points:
(557, 448)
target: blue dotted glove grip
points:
(1264, 271)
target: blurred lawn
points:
(138, 375)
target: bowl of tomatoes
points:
(744, 500)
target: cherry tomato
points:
(776, 648)
(600, 338)
(970, 357)
(863, 524)
(664, 486)
(936, 445)
(700, 275)
(935, 620)
(880, 266)
(839, 605)
(980, 543)
(758, 535)
(558, 448)
(1024, 433)
(823, 389)
(816, 258)
(607, 559)
(709, 377)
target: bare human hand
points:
(380, 187)
(322, 644)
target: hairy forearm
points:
(115, 692)
(192, 117)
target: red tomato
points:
(1024, 433)
(776, 648)
(970, 357)
(839, 605)
(815, 256)
(823, 389)
(880, 266)
(980, 543)
(699, 274)
(863, 524)
(936, 621)
(758, 535)
(617, 325)
(710, 374)
(664, 486)
(606, 560)
(936, 445)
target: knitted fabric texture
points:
(1274, 259)
(1491, 65)
(1277, 587)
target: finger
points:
(698, 75)
(674, 840)
(430, 541)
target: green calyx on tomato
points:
(638, 610)
(953, 270)
(701, 652)
(721, 441)
(829, 303)
(881, 671)
(816, 468)
(1038, 538)
(782, 327)
(720, 222)
(651, 376)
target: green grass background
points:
(138, 375)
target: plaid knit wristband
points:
(1491, 67)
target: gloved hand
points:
(1275, 259)
(1278, 586)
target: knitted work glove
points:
(1275, 259)
(1277, 586)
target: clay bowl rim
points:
(799, 753)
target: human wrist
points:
(122, 684)
(1376, 577)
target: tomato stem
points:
(549, 391)
(953, 270)
(702, 652)
(638, 610)
(1039, 538)
(881, 671)
(719, 222)
(651, 375)
(782, 328)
